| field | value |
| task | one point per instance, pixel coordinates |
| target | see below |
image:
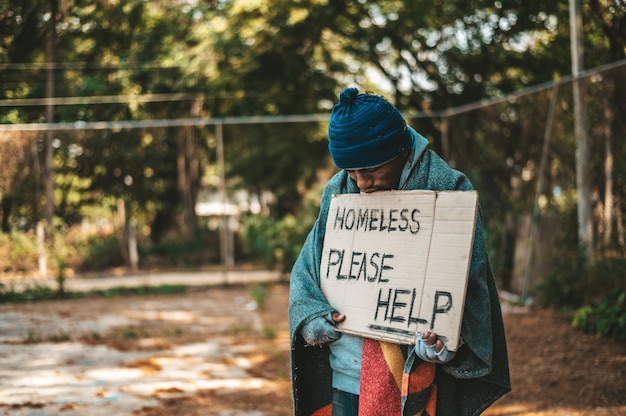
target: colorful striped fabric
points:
(385, 385)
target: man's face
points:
(381, 178)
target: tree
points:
(130, 34)
(235, 58)
(609, 22)
(272, 61)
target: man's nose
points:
(363, 180)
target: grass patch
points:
(257, 293)
(34, 338)
(91, 336)
(175, 331)
(8, 294)
(239, 328)
(166, 289)
(268, 331)
(133, 333)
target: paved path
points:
(187, 348)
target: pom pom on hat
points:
(365, 131)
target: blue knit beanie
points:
(365, 131)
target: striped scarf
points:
(388, 388)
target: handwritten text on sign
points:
(397, 262)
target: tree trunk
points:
(191, 155)
(585, 228)
(6, 211)
(620, 223)
(182, 180)
(34, 147)
(188, 172)
(133, 254)
(609, 202)
(184, 161)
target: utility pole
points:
(226, 237)
(50, 80)
(585, 229)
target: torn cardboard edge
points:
(397, 262)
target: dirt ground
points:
(213, 351)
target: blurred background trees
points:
(138, 66)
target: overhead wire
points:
(203, 121)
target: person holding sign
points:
(341, 374)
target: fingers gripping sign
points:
(430, 349)
(321, 329)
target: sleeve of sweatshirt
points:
(306, 300)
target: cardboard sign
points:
(397, 262)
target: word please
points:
(374, 219)
(358, 265)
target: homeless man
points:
(344, 375)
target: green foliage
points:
(32, 337)
(140, 290)
(573, 281)
(131, 333)
(277, 242)
(18, 252)
(268, 331)
(296, 150)
(257, 293)
(197, 248)
(608, 319)
(175, 331)
(565, 284)
(60, 337)
(102, 252)
(8, 294)
(240, 328)
(91, 336)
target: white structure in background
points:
(226, 212)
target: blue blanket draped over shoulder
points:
(479, 373)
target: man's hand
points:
(338, 317)
(321, 330)
(429, 348)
